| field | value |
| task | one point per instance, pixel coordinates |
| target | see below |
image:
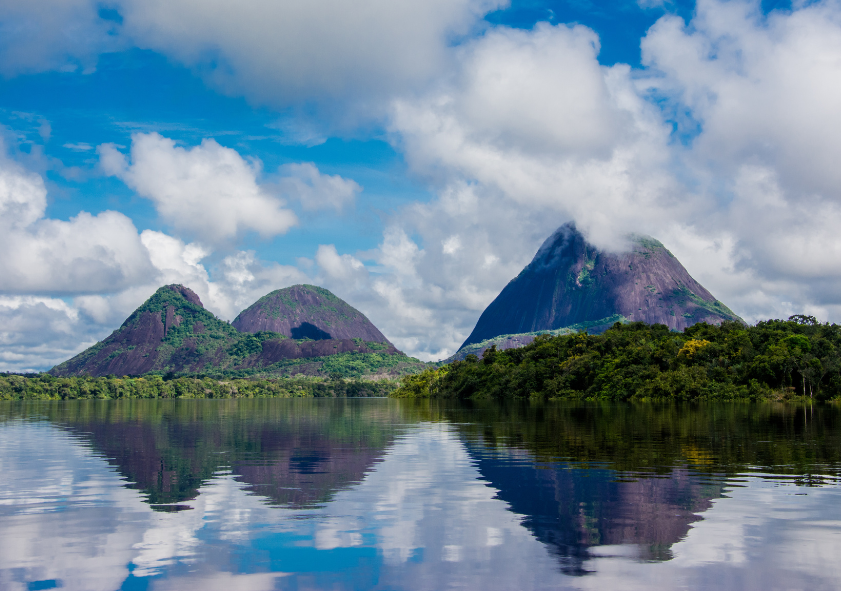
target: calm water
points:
(386, 494)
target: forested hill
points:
(773, 360)
(172, 333)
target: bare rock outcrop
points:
(571, 283)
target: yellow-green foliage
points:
(421, 385)
(692, 346)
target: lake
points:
(258, 494)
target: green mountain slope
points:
(173, 333)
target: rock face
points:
(502, 342)
(570, 283)
(307, 312)
(172, 332)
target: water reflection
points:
(572, 509)
(297, 453)
(585, 476)
(379, 494)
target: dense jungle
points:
(774, 360)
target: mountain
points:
(172, 332)
(570, 283)
(307, 311)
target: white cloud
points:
(451, 245)
(315, 190)
(298, 51)
(517, 131)
(38, 331)
(78, 147)
(208, 191)
(88, 253)
(280, 54)
(761, 91)
(23, 196)
(331, 64)
(399, 254)
(42, 35)
(338, 266)
(764, 88)
(106, 267)
(536, 92)
(532, 117)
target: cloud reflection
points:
(422, 518)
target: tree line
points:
(776, 359)
(47, 387)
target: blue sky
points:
(410, 157)
(141, 90)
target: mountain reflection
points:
(296, 454)
(581, 476)
(586, 475)
(573, 509)
(416, 496)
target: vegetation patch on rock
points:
(172, 334)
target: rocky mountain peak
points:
(185, 292)
(570, 282)
(307, 311)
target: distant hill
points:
(307, 311)
(173, 333)
(572, 284)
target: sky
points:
(409, 156)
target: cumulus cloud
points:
(533, 117)
(298, 51)
(38, 331)
(722, 145)
(336, 266)
(208, 191)
(760, 94)
(279, 54)
(88, 253)
(66, 284)
(531, 132)
(315, 190)
(760, 87)
(64, 35)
